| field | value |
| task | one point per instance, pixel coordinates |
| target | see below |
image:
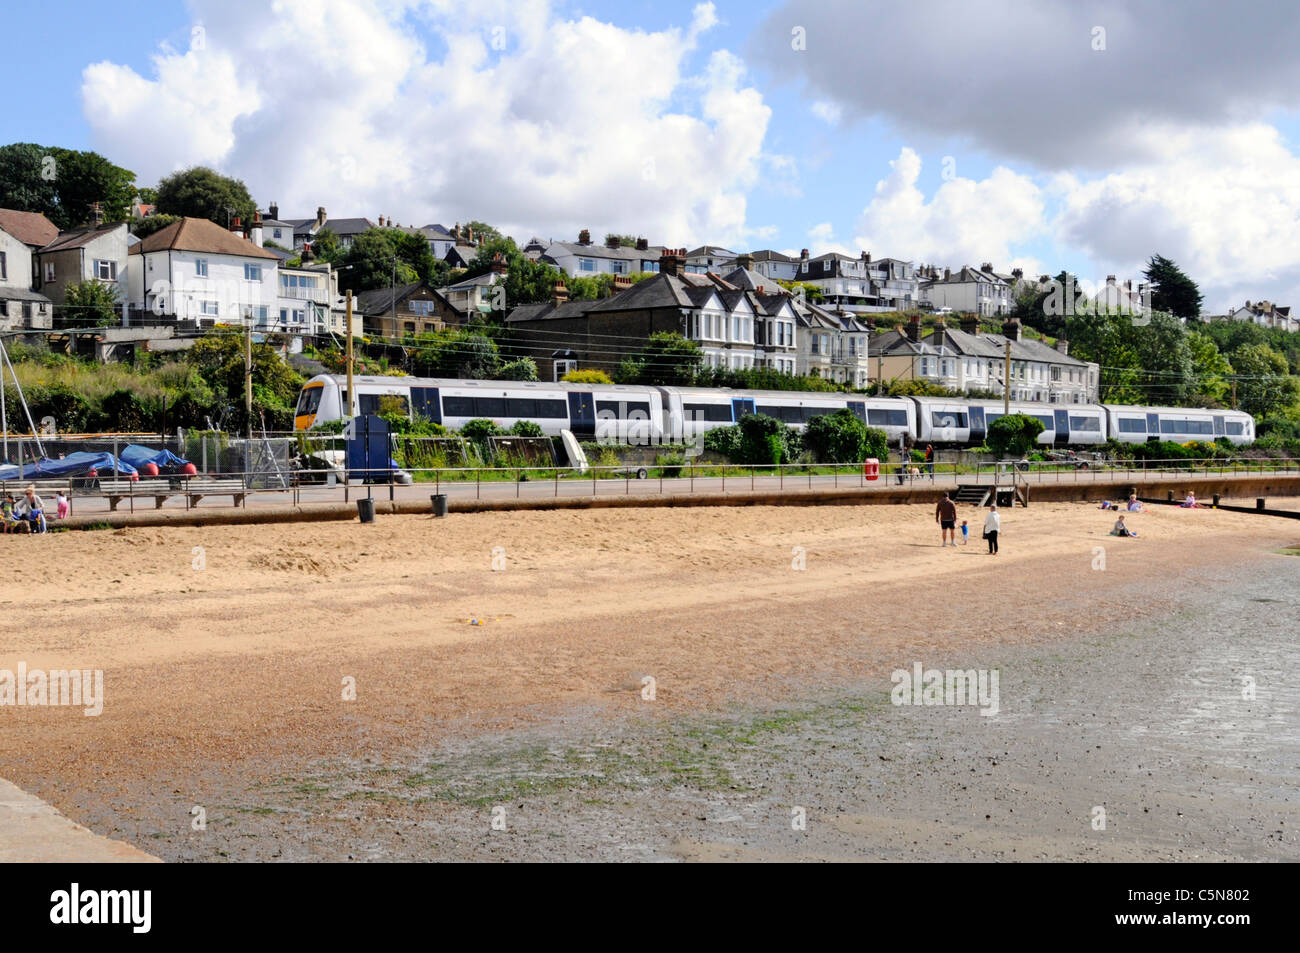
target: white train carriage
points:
(944, 420)
(611, 412)
(1179, 424)
(690, 411)
(894, 415)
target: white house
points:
(771, 264)
(21, 308)
(584, 259)
(861, 285)
(707, 258)
(1266, 315)
(196, 271)
(970, 290)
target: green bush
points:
(756, 440)
(526, 428)
(671, 463)
(724, 440)
(1014, 435)
(843, 438)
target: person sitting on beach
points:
(1190, 502)
(7, 516)
(30, 508)
(1120, 529)
(1134, 504)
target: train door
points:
(1061, 420)
(978, 426)
(1220, 427)
(425, 403)
(582, 414)
(1153, 427)
(859, 409)
(741, 407)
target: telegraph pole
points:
(248, 376)
(1006, 382)
(348, 411)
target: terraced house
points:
(965, 359)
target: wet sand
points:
(1120, 686)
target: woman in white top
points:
(992, 523)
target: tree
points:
(1171, 290)
(1211, 368)
(1263, 387)
(143, 227)
(325, 247)
(199, 192)
(63, 184)
(219, 359)
(762, 439)
(669, 360)
(803, 289)
(374, 261)
(1014, 434)
(624, 241)
(91, 304)
(483, 232)
(521, 369)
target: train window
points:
(490, 406)
(309, 401)
(520, 407)
(1086, 423)
(1236, 428)
(713, 413)
(1127, 425)
(623, 409)
(810, 412)
(373, 403)
(458, 406)
(881, 417)
(948, 418)
(552, 408)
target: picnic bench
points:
(115, 491)
(196, 488)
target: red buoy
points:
(150, 469)
(135, 477)
(190, 469)
(93, 472)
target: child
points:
(61, 505)
(965, 533)
(7, 513)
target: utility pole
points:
(348, 410)
(1006, 382)
(1234, 394)
(248, 377)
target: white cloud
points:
(828, 112)
(510, 114)
(821, 234)
(964, 222)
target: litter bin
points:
(366, 510)
(439, 504)
(871, 468)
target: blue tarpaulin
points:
(137, 456)
(73, 465)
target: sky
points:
(1044, 135)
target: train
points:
(641, 415)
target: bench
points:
(117, 490)
(196, 488)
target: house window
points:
(284, 315)
(252, 272)
(49, 271)
(105, 270)
(275, 232)
(201, 267)
(209, 307)
(409, 326)
(813, 343)
(618, 267)
(586, 264)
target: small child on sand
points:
(965, 533)
(61, 505)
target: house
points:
(393, 313)
(305, 229)
(196, 272)
(480, 295)
(584, 259)
(772, 264)
(98, 253)
(21, 308)
(708, 258)
(833, 345)
(31, 228)
(440, 239)
(776, 319)
(861, 285)
(310, 302)
(1266, 315)
(969, 290)
(722, 319)
(964, 359)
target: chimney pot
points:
(913, 330)
(642, 244)
(670, 262)
(1063, 346)
(584, 237)
(274, 210)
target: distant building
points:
(1266, 315)
(98, 254)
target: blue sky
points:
(1057, 155)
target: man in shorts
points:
(945, 514)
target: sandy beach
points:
(229, 655)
